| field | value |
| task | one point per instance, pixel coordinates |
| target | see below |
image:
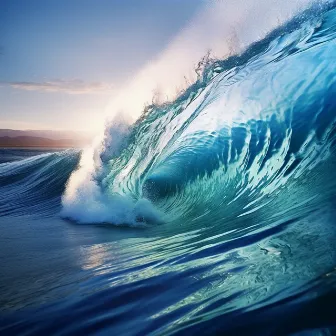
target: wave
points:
(246, 128)
(34, 186)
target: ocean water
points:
(212, 214)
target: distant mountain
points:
(50, 134)
(53, 139)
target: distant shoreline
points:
(42, 139)
(40, 147)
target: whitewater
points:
(212, 213)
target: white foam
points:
(85, 201)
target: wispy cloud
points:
(76, 86)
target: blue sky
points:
(61, 60)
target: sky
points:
(71, 64)
(62, 61)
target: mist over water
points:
(222, 28)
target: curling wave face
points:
(249, 125)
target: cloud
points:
(64, 86)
